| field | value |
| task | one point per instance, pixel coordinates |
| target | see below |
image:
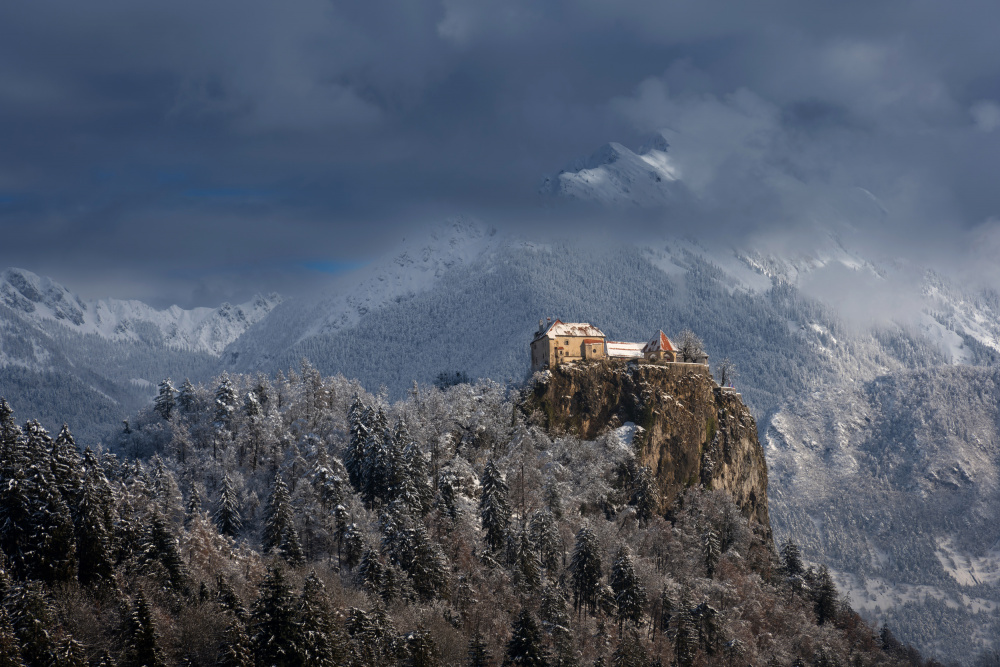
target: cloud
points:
(986, 115)
(358, 118)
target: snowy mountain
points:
(41, 301)
(615, 176)
(92, 363)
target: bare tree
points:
(691, 347)
(726, 371)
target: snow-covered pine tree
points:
(10, 647)
(36, 527)
(711, 550)
(160, 553)
(525, 647)
(280, 534)
(94, 525)
(791, 559)
(376, 468)
(685, 631)
(225, 406)
(276, 628)
(187, 397)
(630, 595)
(629, 652)
(359, 417)
(33, 619)
(478, 653)
(586, 570)
(825, 596)
(165, 399)
(227, 516)
(556, 623)
(494, 508)
(144, 648)
(527, 567)
(321, 644)
(421, 649)
(545, 536)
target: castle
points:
(558, 342)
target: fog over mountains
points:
(881, 431)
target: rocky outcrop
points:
(692, 431)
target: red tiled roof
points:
(659, 342)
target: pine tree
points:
(36, 527)
(276, 627)
(70, 653)
(373, 637)
(494, 508)
(825, 597)
(630, 595)
(280, 534)
(554, 614)
(645, 496)
(545, 535)
(67, 468)
(586, 569)
(528, 569)
(319, 645)
(160, 553)
(478, 653)
(225, 405)
(417, 465)
(94, 525)
(107, 660)
(193, 507)
(525, 648)
(791, 559)
(376, 468)
(237, 647)
(710, 549)
(144, 647)
(422, 650)
(353, 546)
(227, 517)
(187, 398)
(630, 652)
(328, 480)
(685, 632)
(33, 619)
(10, 647)
(165, 399)
(359, 417)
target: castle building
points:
(561, 342)
(557, 342)
(660, 349)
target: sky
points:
(190, 152)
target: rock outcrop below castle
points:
(692, 431)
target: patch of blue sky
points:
(332, 266)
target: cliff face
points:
(693, 431)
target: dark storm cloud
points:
(185, 144)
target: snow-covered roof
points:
(559, 329)
(659, 342)
(619, 350)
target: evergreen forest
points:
(297, 519)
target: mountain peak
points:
(615, 176)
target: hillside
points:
(299, 520)
(684, 427)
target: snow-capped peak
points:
(42, 301)
(616, 176)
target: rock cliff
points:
(692, 431)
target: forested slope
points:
(300, 520)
